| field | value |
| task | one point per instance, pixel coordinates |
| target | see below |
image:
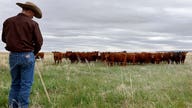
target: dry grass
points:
(4, 60)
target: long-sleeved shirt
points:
(22, 34)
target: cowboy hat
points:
(31, 6)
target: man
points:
(24, 40)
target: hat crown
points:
(30, 3)
(33, 7)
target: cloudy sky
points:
(110, 25)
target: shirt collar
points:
(22, 14)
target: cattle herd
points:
(119, 58)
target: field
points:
(96, 85)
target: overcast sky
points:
(110, 25)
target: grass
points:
(96, 85)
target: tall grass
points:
(96, 85)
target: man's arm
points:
(38, 42)
(3, 34)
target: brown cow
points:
(102, 55)
(81, 56)
(131, 58)
(157, 57)
(178, 57)
(39, 55)
(87, 56)
(166, 57)
(119, 58)
(72, 56)
(58, 57)
(143, 57)
(92, 56)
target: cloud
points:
(111, 24)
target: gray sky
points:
(111, 25)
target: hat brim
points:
(35, 9)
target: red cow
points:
(57, 57)
(157, 58)
(131, 58)
(166, 57)
(72, 56)
(39, 55)
(116, 57)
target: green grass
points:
(96, 85)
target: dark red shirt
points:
(21, 34)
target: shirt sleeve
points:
(38, 39)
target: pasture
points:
(96, 85)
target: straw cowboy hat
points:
(33, 7)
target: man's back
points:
(20, 33)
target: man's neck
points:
(27, 14)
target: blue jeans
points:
(22, 75)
